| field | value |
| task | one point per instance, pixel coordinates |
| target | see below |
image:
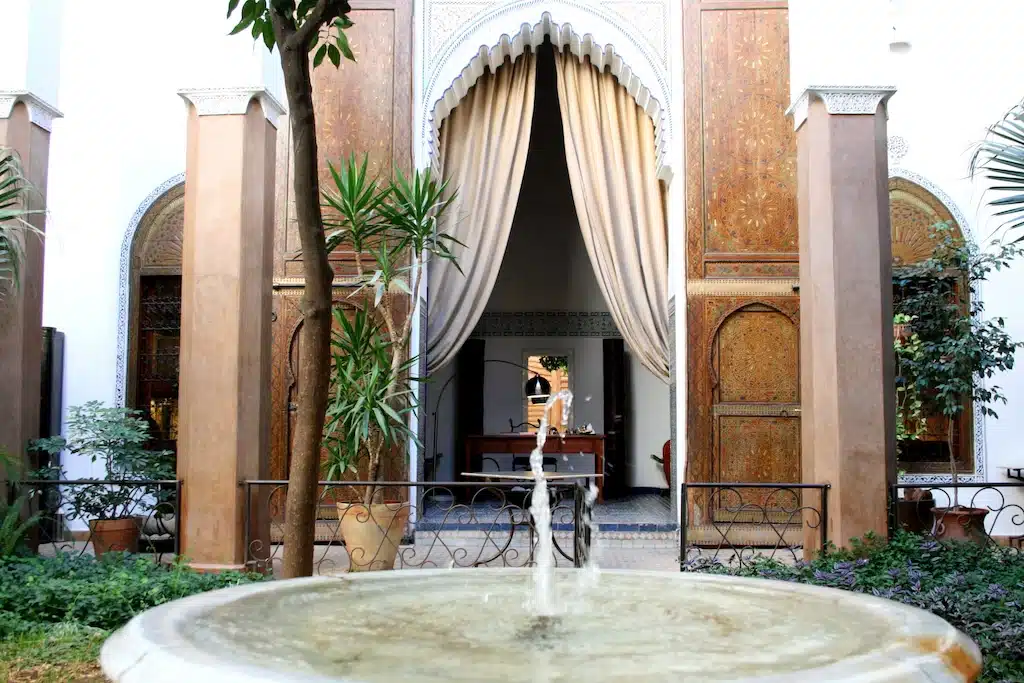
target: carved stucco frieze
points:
(234, 100)
(841, 99)
(40, 113)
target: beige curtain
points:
(609, 145)
(483, 150)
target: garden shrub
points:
(977, 589)
(102, 593)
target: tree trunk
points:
(315, 335)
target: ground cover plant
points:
(55, 612)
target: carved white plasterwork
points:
(40, 113)
(226, 101)
(462, 38)
(124, 283)
(841, 99)
(980, 450)
(897, 147)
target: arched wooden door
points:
(755, 412)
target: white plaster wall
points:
(122, 135)
(650, 425)
(959, 75)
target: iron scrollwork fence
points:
(418, 525)
(984, 512)
(736, 523)
(147, 508)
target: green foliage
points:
(1000, 159)
(15, 522)
(117, 438)
(328, 19)
(364, 402)
(910, 419)
(396, 226)
(14, 191)
(953, 346)
(99, 593)
(554, 363)
(978, 589)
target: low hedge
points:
(103, 594)
(979, 590)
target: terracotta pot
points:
(963, 524)
(372, 537)
(114, 535)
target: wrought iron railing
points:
(419, 525)
(143, 516)
(984, 512)
(735, 523)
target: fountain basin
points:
(449, 625)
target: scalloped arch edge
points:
(562, 36)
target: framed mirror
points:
(556, 366)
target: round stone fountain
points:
(479, 626)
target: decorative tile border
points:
(550, 324)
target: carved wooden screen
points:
(363, 107)
(742, 251)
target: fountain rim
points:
(158, 631)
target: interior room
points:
(546, 327)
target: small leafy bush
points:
(102, 593)
(977, 589)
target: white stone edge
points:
(980, 446)
(437, 107)
(841, 99)
(40, 112)
(152, 647)
(124, 284)
(233, 101)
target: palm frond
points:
(1000, 160)
(14, 228)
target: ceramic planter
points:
(372, 536)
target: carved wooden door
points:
(755, 411)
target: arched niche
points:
(915, 206)
(149, 319)
(584, 28)
(913, 211)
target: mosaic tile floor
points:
(638, 513)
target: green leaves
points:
(116, 437)
(1000, 160)
(369, 395)
(326, 34)
(14, 192)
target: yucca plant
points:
(395, 228)
(1000, 160)
(14, 228)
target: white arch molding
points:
(124, 283)
(980, 451)
(584, 27)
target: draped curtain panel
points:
(483, 148)
(609, 146)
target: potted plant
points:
(371, 390)
(116, 438)
(955, 350)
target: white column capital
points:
(233, 100)
(841, 99)
(40, 112)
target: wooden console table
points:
(520, 444)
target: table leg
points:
(599, 456)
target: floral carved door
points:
(755, 415)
